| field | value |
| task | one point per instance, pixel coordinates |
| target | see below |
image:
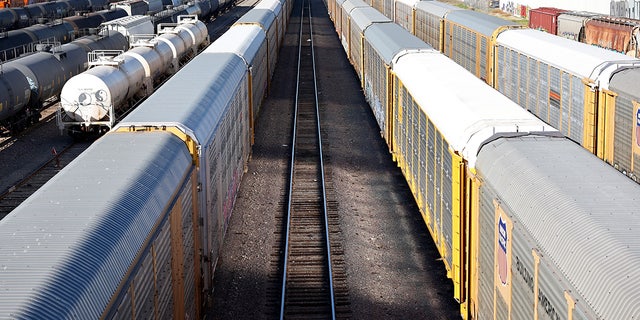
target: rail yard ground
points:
(393, 268)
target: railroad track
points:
(313, 279)
(31, 183)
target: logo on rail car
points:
(503, 237)
(503, 252)
(637, 126)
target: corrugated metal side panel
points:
(260, 79)
(144, 288)
(486, 247)
(447, 202)
(224, 159)
(374, 75)
(554, 96)
(214, 195)
(189, 250)
(356, 49)
(164, 281)
(522, 273)
(415, 146)
(543, 98)
(523, 67)
(423, 162)
(437, 188)
(463, 48)
(274, 47)
(625, 84)
(428, 28)
(343, 23)
(388, 8)
(608, 35)
(403, 15)
(431, 173)
(572, 212)
(551, 300)
(625, 128)
(532, 87)
(125, 309)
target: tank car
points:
(29, 81)
(91, 102)
(17, 42)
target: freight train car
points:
(523, 217)
(25, 40)
(565, 83)
(92, 102)
(21, 17)
(133, 227)
(26, 83)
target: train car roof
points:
(252, 35)
(462, 107)
(366, 16)
(626, 81)
(410, 3)
(65, 249)
(437, 8)
(389, 39)
(273, 5)
(263, 17)
(581, 59)
(478, 21)
(582, 212)
(196, 110)
(349, 5)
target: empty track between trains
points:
(309, 286)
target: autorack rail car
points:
(565, 83)
(133, 227)
(523, 217)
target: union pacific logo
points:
(638, 127)
(502, 250)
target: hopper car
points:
(133, 227)
(526, 221)
(91, 102)
(589, 93)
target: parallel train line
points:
(312, 286)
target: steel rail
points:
(292, 168)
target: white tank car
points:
(92, 101)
